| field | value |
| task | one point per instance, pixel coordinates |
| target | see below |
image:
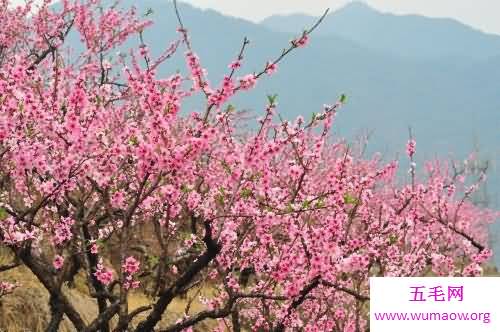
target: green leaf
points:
(306, 205)
(153, 260)
(393, 239)
(185, 235)
(255, 176)
(343, 98)
(246, 193)
(133, 141)
(320, 203)
(272, 99)
(220, 199)
(350, 199)
(3, 213)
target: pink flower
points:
(63, 231)
(193, 200)
(302, 41)
(131, 265)
(143, 50)
(58, 262)
(271, 68)
(131, 284)
(235, 64)
(94, 249)
(103, 274)
(6, 288)
(410, 148)
(247, 82)
(118, 199)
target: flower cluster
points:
(247, 82)
(130, 267)
(271, 68)
(411, 147)
(62, 231)
(302, 41)
(58, 262)
(103, 274)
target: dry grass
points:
(27, 308)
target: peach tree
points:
(104, 174)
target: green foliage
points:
(133, 141)
(153, 260)
(343, 98)
(219, 198)
(246, 193)
(3, 213)
(185, 189)
(306, 205)
(350, 199)
(320, 203)
(272, 99)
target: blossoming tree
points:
(102, 176)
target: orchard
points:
(106, 176)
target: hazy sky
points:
(482, 14)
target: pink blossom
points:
(131, 265)
(103, 274)
(410, 148)
(118, 199)
(271, 68)
(193, 200)
(235, 64)
(302, 41)
(247, 82)
(7, 287)
(58, 262)
(94, 249)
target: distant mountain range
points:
(411, 36)
(397, 71)
(438, 76)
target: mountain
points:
(405, 35)
(393, 72)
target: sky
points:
(481, 14)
